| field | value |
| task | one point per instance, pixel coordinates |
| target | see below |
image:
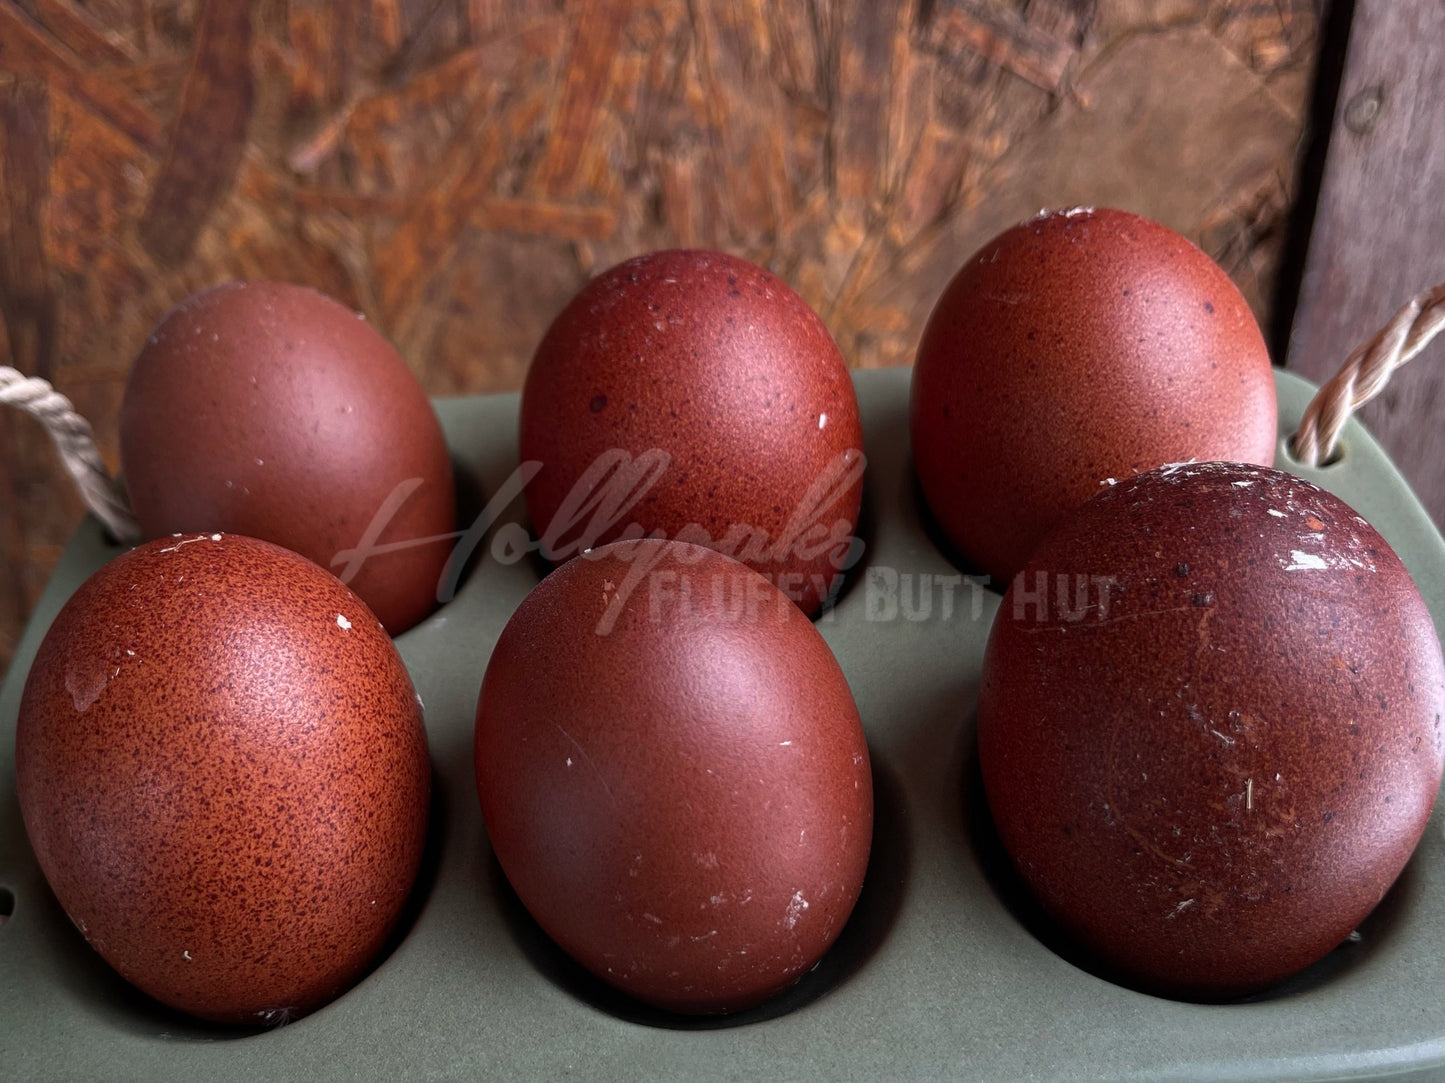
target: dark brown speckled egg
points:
(1210, 725)
(721, 367)
(222, 768)
(267, 409)
(1080, 346)
(674, 776)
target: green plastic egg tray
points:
(945, 970)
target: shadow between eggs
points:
(843, 585)
(925, 518)
(471, 497)
(884, 887)
(864, 535)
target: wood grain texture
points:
(1379, 234)
(457, 169)
(207, 138)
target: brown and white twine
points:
(75, 442)
(1365, 373)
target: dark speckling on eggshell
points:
(722, 366)
(223, 771)
(1210, 725)
(1079, 346)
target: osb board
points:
(456, 169)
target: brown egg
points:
(674, 776)
(268, 409)
(223, 772)
(728, 372)
(1210, 725)
(1077, 347)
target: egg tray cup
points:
(946, 969)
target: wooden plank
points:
(208, 137)
(1379, 235)
(589, 65)
(26, 50)
(77, 29)
(27, 295)
(1002, 36)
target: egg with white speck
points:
(1076, 347)
(222, 770)
(1210, 725)
(722, 368)
(674, 776)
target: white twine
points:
(1365, 373)
(75, 441)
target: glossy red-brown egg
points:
(223, 772)
(674, 776)
(1080, 346)
(1210, 725)
(267, 409)
(720, 366)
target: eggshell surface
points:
(674, 776)
(223, 772)
(723, 368)
(1077, 347)
(1210, 725)
(268, 409)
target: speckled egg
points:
(223, 772)
(694, 395)
(674, 776)
(1210, 725)
(1080, 346)
(270, 410)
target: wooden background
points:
(456, 169)
(1378, 230)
